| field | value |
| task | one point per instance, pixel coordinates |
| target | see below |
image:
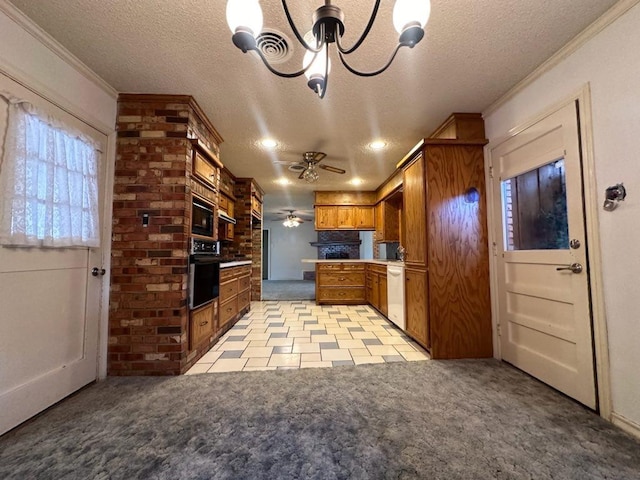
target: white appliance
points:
(395, 293)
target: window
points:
(48, 181)
(536, 209)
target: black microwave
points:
(201, 218)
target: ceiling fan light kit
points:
(245, 21)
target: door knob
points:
(574, 268)
(95, 271)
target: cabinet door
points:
(346, 218)
(364, 216)
(415, 215)
(201, 325)
(326, 217)
(416, 299)
(204, 170)
(382, 299)
(379, 235)
(375, 290)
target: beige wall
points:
(609, 64)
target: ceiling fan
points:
(290, 220)
(309, 165)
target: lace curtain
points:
(48, 181)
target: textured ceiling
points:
(472, 53)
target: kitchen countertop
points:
(235, 263)
(353, 260)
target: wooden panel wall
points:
(458, 257)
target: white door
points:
(544, 304)
(49, 308)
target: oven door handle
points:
(203, 259)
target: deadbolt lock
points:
(574, 243)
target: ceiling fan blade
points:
(329, 168)
(301, 176)
(319, 156)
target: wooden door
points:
(416, 304)
(382, 298)
(543, 272)
(50, 306)
(414, 222)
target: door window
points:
(535, 209)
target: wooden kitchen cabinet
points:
(205, 165)
(340, 283)
(416, 305)
(387, 221)
(344, 210)
(235, 293)
(447, 256)
(202, 324)
(326, 217)
(377, 287)
(414, 211)
(226, 230)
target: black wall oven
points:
(201, 218)
(204, 272)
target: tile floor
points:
(300, 334)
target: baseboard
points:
(625, 424)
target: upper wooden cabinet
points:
(388, 220)
(227, 184)
(345, 211)
(205, 164)
(414, 209)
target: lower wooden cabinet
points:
(377, 287)
(340, 283)
(235, 294)
(417, 306)
(202, 324)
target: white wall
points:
(609, 62)
(288, 247)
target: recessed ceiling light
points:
(283, 181)
(268, 143)
(377, 145)
(356, 181)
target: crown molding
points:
(610, 16)
(52, 44)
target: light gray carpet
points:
(422, 420)
(288, 290)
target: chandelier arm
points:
(366, 31)
(374, 73)
(297, 33)
(326, 74)
(276, 72)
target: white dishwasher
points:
(395, 293)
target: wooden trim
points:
(451, 141)
(625, 424)
(409, 156)
(212, 157)
(609, 17)
(203, 117)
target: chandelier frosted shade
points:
(290, 223)
(245, 15)
(410, 12)
(245, 21)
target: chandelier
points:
(245, 21)
(291, 221)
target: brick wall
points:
(148, 315)
(339, 236)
